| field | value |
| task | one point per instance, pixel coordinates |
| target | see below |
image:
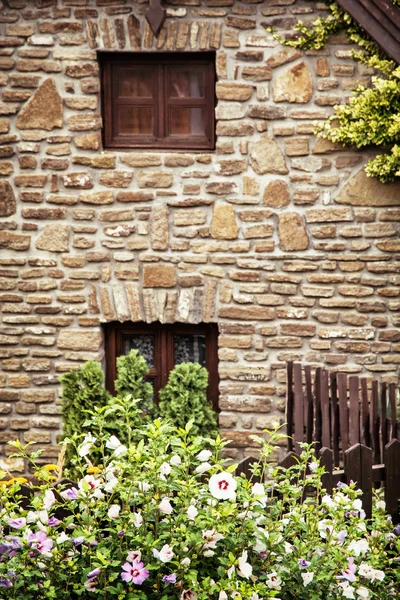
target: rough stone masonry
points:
(277, 236)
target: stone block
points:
(159, 275)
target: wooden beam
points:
(380, 19)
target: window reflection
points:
(190, 348)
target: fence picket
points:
(358, 468)
(326, 461)
(325, 409)
(393, 416)
(298, 407)
(245, 467)
(354, 411)
(335, 419)
(318, 416)
(310, 406)
(374, 422)
(343, 410)
(289, 404)
(392, 478)
(365, 431)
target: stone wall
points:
(277, 236)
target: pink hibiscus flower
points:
(134, 572)
(40, 542)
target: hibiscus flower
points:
(223, 486)
(134, 572)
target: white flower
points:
(358, 547)
(43, 517)
(307, 577)
(143, 486)
(347, 590)
(165, 554)
(325, 528)
(357, 504)
(62, 538)
(88, 483)
(245, 569)
(185, 562)
(230, 571)
(288, 547)
(223, 595)
(204, 455)
(274, 581)
(134, 555)
(203, 468)
(222, 486)
(49, 499)
(137, 519)
(211, 538)
(327, 500)
(86, 445)
(97, 493)
(114, 444)
(259, 490)
(381, 505)
(175, 460)
(113, 511)
(165, 468)
(378, 575)
(208, 553)
(370, 573)
(363, 593)
(111, 484)
(32, 517)
(192, 512)
(165, 506)
(313, 466)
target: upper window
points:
(159, 100)
(163, 347)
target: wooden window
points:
(159, 100)
(163, 347)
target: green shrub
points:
(81, 391)
(131, 372)
(184, 399)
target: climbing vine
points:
(372, 116)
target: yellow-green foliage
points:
(372, 117)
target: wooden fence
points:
(358, 467)
(337, 411)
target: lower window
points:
(163, 347)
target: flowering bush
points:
(165, 518)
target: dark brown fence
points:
(336, 411)
(358, 467)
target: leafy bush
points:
(372, 118)
(163, 518)
(131, 372)
(81, 391)
(184, 398)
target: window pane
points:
(136, 120)
(143, 343)
(187, 121)
(136, 83)
(190, 348)
(186, 83)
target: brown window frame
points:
(163, 351)
(110, 65)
